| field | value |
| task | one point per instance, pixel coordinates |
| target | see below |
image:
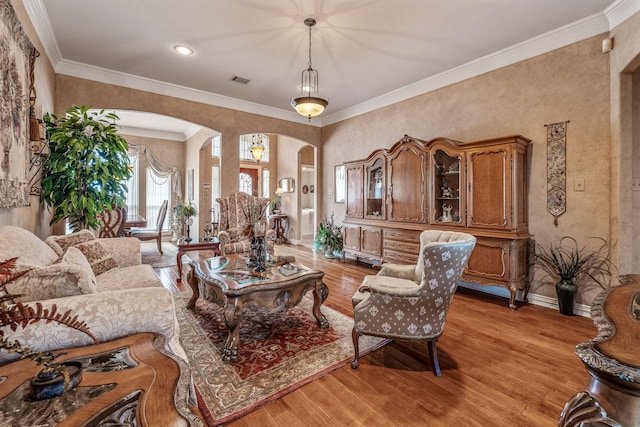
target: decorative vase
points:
(566, 291)
(46, 386)
(328, 253)
(188, 221)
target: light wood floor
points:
(499, 368)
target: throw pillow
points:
(9, 270)
(72, 275)
(97, 256)
(61, 243)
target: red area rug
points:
(279, 352)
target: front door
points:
(249, 181)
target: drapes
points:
(159, 168)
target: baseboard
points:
(541, 300)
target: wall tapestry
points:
(556, 169)
(16, 54)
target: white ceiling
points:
(368, 53)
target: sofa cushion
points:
(9, 270)
(61, 243)
(98, 258)
(30, 250)
(135, 276)
(71, 276)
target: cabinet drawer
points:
(411, 247)
(399, 257)
(402, 235)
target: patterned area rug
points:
(279, 352)
(151, 256)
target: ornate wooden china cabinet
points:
(476, 187)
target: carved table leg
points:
(193, 283)
(179, 264)
(320, 294)
(232, 314)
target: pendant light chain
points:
(310, 66)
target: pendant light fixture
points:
(309, 104)
(257, 147)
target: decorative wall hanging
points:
(557, 169)
(16, 59)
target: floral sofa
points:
(102, 281)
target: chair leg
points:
(159, 242)
(355, 335)
(433, 355)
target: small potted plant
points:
(572, 265)
(186, 212)
(329, 237)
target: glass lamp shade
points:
(309, 106)
(257, 151)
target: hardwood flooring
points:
(499, 367)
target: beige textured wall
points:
(230, 123)
(571, 83)
(625, 59)
(34, 218)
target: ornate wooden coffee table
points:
(129, 381)
(228, 282)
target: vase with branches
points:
(186, 213)
(573, 265)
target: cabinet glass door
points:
(375, 188)
(448, 207)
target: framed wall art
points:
(17, 55)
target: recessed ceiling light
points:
(183, 50)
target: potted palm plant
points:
(329, 237)
(573, 265)
(87, 167)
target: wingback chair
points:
(411, 302)
(153, 233)
(113, 223)
(236, 211)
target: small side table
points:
(281, 226)
(195, 245)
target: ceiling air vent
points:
(240, 80)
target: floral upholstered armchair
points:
(411, 302)
(238, 212)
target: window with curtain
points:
(158, 190)
(133, 185)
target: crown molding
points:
(560, 37)
(104, 75)
(620, 11)
(596, 24)
(40, 19)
